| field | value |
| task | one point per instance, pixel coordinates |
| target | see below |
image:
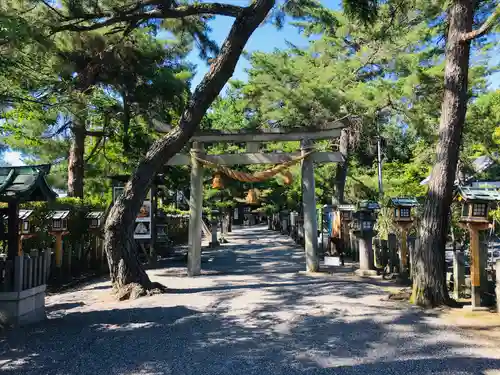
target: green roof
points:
(25, 184)
(479, 194)
(404, 202)
(368, 205)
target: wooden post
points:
(475, 269)
(13, 230)
(154, 209)
(18, 273)
(458, 273)
(403, 262)
(497, 289)
(59, 249)
(195, 212)
(309, 203)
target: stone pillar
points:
(366, 256)
(309, 202)
(213, 230)
(392, 242)
(458, 274)
(497, 289)
(195, 212)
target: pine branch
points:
(485, 27)
(59, 131)
(94, 150)
(138, 15)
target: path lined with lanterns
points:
(253, 310)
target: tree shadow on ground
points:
(178, 340)
(270, 323)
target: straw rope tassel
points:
(255, 177)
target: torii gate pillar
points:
(195, 212)
(309, 207)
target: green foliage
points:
(78, 226)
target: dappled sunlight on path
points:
(253, 311)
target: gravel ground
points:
(252, 312)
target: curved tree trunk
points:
(118, 241)
(76, 164)
(341, 172)
(429, 282)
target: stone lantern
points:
(214, 220)
(25, 222)
(476, 203)
(403, 219)
(362, 227)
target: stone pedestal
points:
(21, 308)
(366, 256)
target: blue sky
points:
(266, 38)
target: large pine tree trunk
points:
(429, 282)
(341, 173)
(76, 162)
(118, 242)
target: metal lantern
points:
(95, 219)
(364, 219)
(24, 221)
(476, 203)
(59, 220)
(403, 209)
(217, 181)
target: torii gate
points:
(307, 136)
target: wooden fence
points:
(24, 272)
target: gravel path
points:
(252, 312)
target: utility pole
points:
(379, 160)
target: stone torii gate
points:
(307, 136)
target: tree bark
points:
(118, 242)
(429, 282)
(76, 164)
(341, 173)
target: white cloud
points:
(13, 158)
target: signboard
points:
(142, 229)
(332, 261)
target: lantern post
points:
(363, 228)
(59, 228)
(403, 219)
(346, 217)
(476, 203)
(95, 220)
